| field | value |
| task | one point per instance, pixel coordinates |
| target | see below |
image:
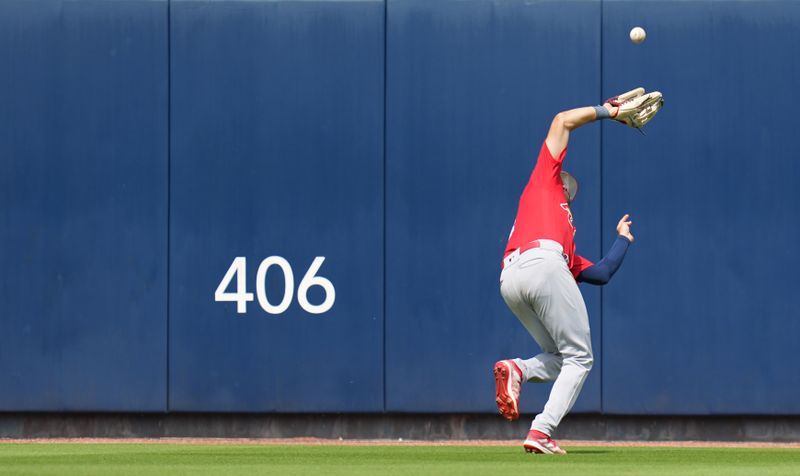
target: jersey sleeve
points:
(579, 263)
(548, 168)
(601, 272)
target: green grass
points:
(112, 459)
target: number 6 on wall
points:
(311, 279)
(241, 297)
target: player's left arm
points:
(567, 121)
(601, 272)
(633, 108)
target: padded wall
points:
(471, 89)
(703, 321)
(277, 150)
(146, 145)
(83, 205)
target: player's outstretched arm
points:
(566, 121)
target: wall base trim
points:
(394, 426)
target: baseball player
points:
(541, 271)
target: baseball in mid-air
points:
(638, 34)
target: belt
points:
(544, 244)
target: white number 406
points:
(241, 297)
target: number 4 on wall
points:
(241, 297)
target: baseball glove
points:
(636, 108)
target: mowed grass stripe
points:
(157, 459)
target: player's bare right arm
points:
(566, 121)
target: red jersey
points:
(544, 211)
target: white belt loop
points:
(511, 259)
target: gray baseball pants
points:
(540, 290)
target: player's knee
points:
(587, 362)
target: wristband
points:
(602, 112)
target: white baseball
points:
(638, 34)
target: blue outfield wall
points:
(83, 205)
(470, 95)
(300, 206)
(703, 319)
(277, 151)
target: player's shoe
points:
(507, 381)
(538, 442)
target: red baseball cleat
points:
(538, 442)
(507, 380)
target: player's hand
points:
(624, 227)
(612, 110)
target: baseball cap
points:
(570, 184)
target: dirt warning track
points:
(397, 442)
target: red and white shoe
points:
(538, 442)
(507, 381)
